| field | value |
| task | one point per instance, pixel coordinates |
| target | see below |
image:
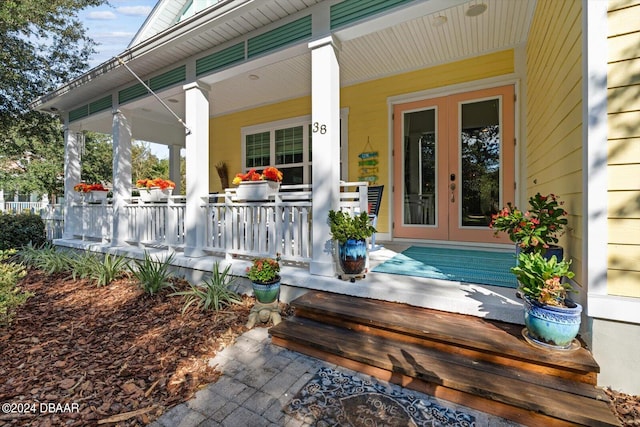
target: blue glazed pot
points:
(550, 325)
(266, 292)
(352, 256)
(552, 250)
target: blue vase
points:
(550, 325)
(552, 250)
(353, 256)
(266, 292)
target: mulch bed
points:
(79, 355)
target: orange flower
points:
(269, 174)
(155, 182)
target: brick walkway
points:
(258, 380)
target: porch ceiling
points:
(421, 35)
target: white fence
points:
(282, 225)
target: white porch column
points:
(325, 125)
(174, 167)
(121, 133)
(197, 158)
(71, 178)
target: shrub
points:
(20, 230)
(11, 296)
(152, 275)
(83, 265)
(214, 294)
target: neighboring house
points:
(548, 89)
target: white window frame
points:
(305, 122)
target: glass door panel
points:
(479, 162)
(483, 161)
(419, 151)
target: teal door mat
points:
(460, 265)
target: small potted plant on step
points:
(351, 233)
(264, 274)
(552, 320)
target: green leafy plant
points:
(83, 265)
(535, 229)
(213, 294)
(11, 295)
(20, 230)
(52, 261)
(344, 226)
(541, 279)
(29, 253)
(111, 267)
(153, 275)
(264, 270)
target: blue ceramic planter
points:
(353, 256)
(552, 250)
(266, 292)
(550, 325)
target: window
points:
(286, 144)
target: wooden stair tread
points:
(469, 332)
(453, 372)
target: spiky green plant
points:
(213, 294)
(111, 267)
(52, 261)
(83, 265)
(152, 275)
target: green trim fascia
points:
(169, 78)
(349, 11)
(79, 113)
(131, 93)
(221, 59)
(294, 31)
(101, 104)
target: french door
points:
(453, 165)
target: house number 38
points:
(317, 127)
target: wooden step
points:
(494, 341)
(380, 339)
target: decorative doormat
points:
(460, 265)
(333, 398)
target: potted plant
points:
(264, 274)
(258, 186)
(155, 190)
(351, 232)
(96, 192)
(551, 318)
(536, 230)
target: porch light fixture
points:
(253, 77)
(439, 20)
(476, 9)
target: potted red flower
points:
(155, 190)
(95, 192)
(253, 186)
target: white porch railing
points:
(278, 226)
(18, 207)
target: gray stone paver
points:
(258, 379)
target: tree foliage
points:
(43, 46)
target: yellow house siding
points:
(623, 103)
(553, 114)
(225, 133)
(368, 115)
